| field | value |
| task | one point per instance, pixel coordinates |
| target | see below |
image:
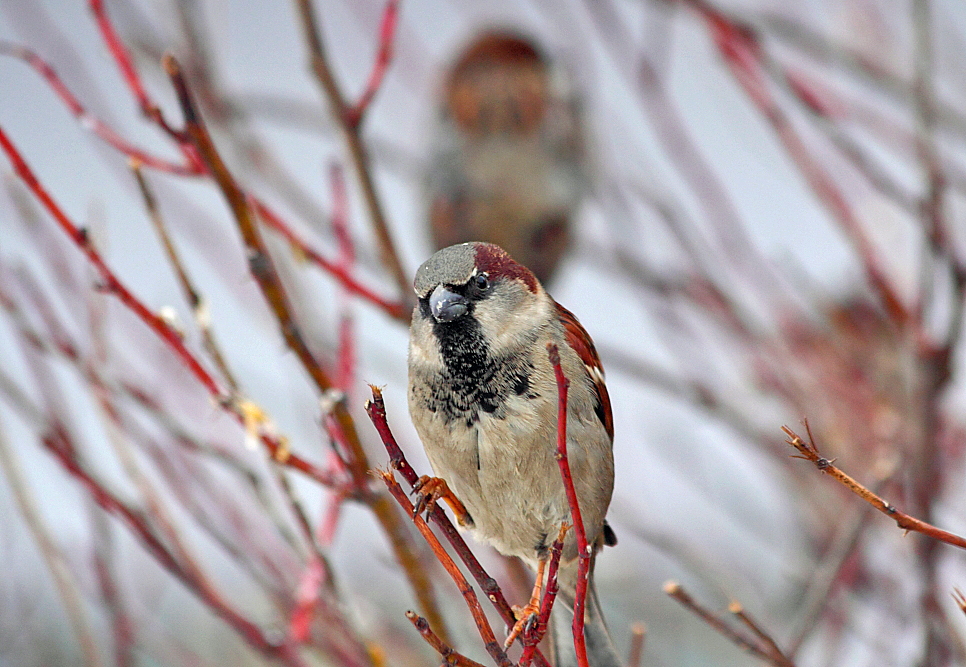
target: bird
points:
(483, 398)
(507, 160)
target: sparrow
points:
(507, 159)
(483, 398)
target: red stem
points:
(583, 549)
(91, 122)
(273, 221)
(493, 647)
(121, 56)
(387, 30)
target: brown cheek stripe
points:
(495, 261)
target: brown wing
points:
(580, 341)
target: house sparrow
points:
(483, 398)
(507, 155)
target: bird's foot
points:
(430, 489)
(527, 618)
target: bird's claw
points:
(431, 489)
(528, 618)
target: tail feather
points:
(600, 647)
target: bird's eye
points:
(482, 282)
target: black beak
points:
(446, 306)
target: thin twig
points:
(809, 452)
(197, 302)
(53, 557)
(449, 656)
(960, 599)
(779, 659)
(676, 591)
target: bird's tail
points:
(600, 647)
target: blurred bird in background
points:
(507, 164)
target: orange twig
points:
(449, 656)
(809, 452)
(493, 647)
(376, 409)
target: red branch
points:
(91, 122)
(387, 30)
(123, 59)
(161, 328)
(376, 409)
(57, 443)
(583, 549)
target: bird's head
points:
(478, 285)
